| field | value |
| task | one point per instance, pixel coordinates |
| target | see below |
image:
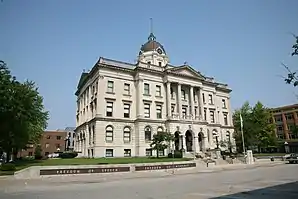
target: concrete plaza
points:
(268, 181)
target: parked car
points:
(292, 158)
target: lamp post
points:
(286, 147)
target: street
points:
(279, 181)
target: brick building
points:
(51, 142)
(286, 120)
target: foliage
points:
(22, 115)
(68, 155)
(8, 167)
(161, 141)
(257, 130)
(37, 152)
(177, 154)
(292, 77)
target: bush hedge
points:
(66, 155)
(177, 154)
(8, 167)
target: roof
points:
(152, 44)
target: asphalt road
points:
(280, 181)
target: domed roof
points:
(152, 45)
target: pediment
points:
(186, 71)
(82, 79)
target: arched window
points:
(148, 133)
(126, 134)
(109, 134)
(159, 129)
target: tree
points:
(22, 114)
(257, 131)
(292, 77)
(161, 141)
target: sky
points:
(241, 43)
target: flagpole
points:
(241, 129)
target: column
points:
(286, 130)
(196, 144)
(201, 105)
(100, 104)
(274, 122)
(140, 104)
(295, 118)
(169, 112)
(179, 101)
(184, 142)
(192, 104)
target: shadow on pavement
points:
(283, 191)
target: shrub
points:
(177, 154)
(68, 155)
(37, 153)
(8, 167)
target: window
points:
(210, 99)
(127, 152)
(126, 135)
(57, 146)
(196, 110)
(48, 137)
(109, 112)
(146, 89)
(110, 87)
(161, 153)
(225, 118)
(278, 118)
(126, 110)
(173, 109)
(109, 134)
(158, 111)
(212, 119)
(159, 63)
(30, 153)
(183, 96)
(147, 110)
(289, 116)
(148, 152)
(224, 103)
(158, 91)
(126, 89)
(58, 137)
(203, 96)
(109, 153)
(147, 133)
(184, 112)
(47, 145)
(279, 128)
(172, 93)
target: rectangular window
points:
(47, 145)
(148, 152)
(147, 110)
(184, 112)
(58, 137)
(224, 103)
(158, 111)
(173, 109)
(146, 89)
(212, 119)
(161, 153)
(127, 152)
(109, 112)
(126, 110)
(110, 87)
(210, 99)
(30, 153)
(279, 128)
(126, 89)
(158, 90)
(203, 96)
(278, 118)
(289, 116)
(109, 153)
(225, 118)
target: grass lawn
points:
(86, 161)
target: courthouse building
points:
(120, 106)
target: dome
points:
(152, 45)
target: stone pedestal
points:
(249, 157)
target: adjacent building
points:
(50, 142)
(121, 105)
(286, 120)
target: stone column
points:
(201, 104)
(295, 118)
(169, 113)
(192, 104)
(179, 102)
(196, 144)
(286, 130)
(184, 142)
(140, 106)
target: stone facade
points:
(120, 106)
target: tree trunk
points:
(157, 154)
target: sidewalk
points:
(98, 178)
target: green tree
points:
(38, 152)
(161, 141)
(257, 131)
(22, 114)
(292, 77)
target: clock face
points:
(159, 51)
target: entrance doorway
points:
(189, 141)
